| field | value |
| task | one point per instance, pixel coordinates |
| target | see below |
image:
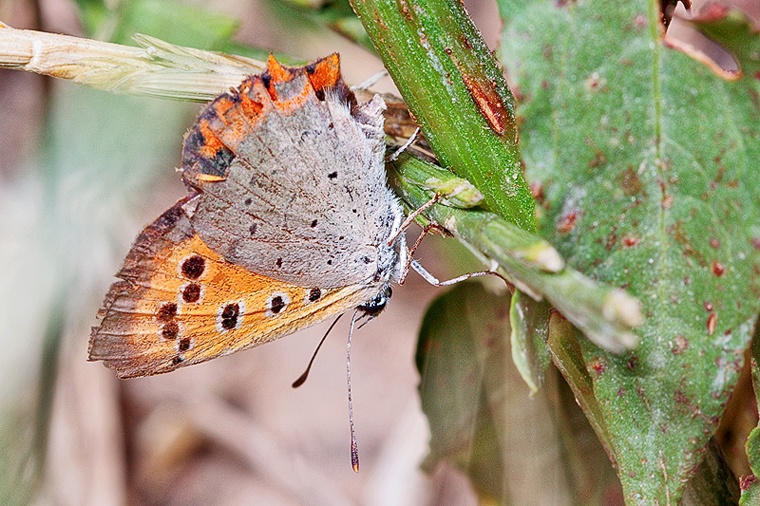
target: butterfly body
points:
(288, 222)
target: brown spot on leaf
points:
(489, 103)
(629, 241)
(594, 82)
(714, 243)
(708, 306)
(537, 190)
(745, 482)
(717, 268)
(611, 240)
(598, 365)
(567, 221)
(598, 160)
(680, 344)
(712, 320)
(630, 182)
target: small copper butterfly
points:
(289, 221)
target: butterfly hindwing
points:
(290, 177)
(180, 303)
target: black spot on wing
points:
(193, 267)
(191, 292)
(170, 330)
(277, 304)
(230, 315)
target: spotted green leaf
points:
(648, 164)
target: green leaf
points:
(481, 419)
(334, 14)
(648, 163)
(530, 329)
(735, 31)
(751, 487)
(605, 314)
(174, 22)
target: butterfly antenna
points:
(354, 446)
(302, 378)
(367, 318)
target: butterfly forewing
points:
(179, 303)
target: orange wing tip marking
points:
(221, 105)
(324, 73)
(212, 143)
(209, 178)
(250, 107)
(278, 72)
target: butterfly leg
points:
(394, 156)
(412, 216)
(410, 255)
(427, 276)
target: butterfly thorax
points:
(391, 260)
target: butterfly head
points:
(374, 307)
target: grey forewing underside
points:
(305, 198)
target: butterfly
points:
(289, 221)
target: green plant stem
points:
(456, 91)
(604, 314)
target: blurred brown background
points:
(81, 172)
